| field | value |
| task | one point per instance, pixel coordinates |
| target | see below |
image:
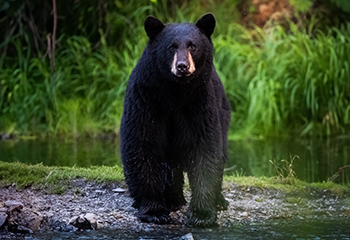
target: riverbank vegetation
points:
(286, 73)
(57, 179)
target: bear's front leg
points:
(145, 168)
(146, 182)
(205, 177)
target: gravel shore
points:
(99, 207)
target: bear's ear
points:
(206, 24)
(153, 27)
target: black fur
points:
(174, 124)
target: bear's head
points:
(181, 51)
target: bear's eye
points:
(192, 47)
(172, 47)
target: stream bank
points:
(100, 209)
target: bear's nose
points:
(182, 66)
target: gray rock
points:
(119, 190)
(30, 219)
(188, 236)
(14, 204)
(5, 136)
(24, 230)
(92, 219)
(3, 217)
(87, 221)
(80, 222)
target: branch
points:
(53, 40)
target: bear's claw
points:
(222, 203)
(159, 218)
(202, 219)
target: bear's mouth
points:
(183, 78)
(183, 74)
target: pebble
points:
(14, 204)
(119, 190)
(244, 214)
(188, 236)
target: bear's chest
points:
(193, 126)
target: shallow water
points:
(58, 152)
(317, 159)
(275, 229)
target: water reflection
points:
(276, 229)
(319, 159)
(57, 152)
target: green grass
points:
(282, 82)
(295, 200)
(54, 179)
(83, 96)
(296, 186)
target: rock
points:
(31, 220)
(87, 221)
(3, 217)
(188, 236)
(14, 205)
(244, 214)
(14, 217)
(92, 219)
(79, 222)
(24, 230)
(5, 136)
(119, 190)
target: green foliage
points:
(342, 4)
(84, 94)
(301, 5)
(22, 100)
(298, 186)
(278, 82)
(295, 200)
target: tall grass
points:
(283, 83)
(93, 83)
(84, 94)
(278, 82)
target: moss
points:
(295, 185)
(54, 178)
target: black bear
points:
(175, 120)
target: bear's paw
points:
(157, 218)
(202, 218)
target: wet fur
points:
(174, 124)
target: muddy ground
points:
(100, 207)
